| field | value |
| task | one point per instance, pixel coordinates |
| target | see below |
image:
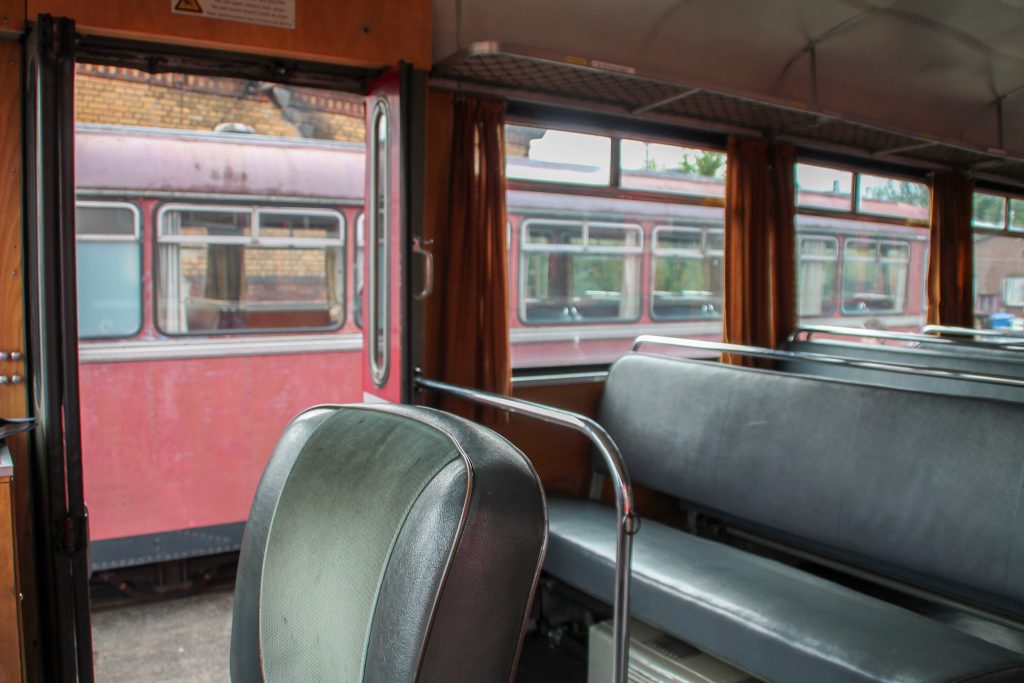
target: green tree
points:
(707, 164)
(902, 192)
(989, 209)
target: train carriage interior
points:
(468, 340)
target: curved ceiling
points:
(944, 70)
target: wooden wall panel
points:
(358, 32)
(14, 397)
(10, 636)
(560, 456)
(12, 15)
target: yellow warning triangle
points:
(188, 6)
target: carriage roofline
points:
(217, 136)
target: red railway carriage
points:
(218, 296)
(220, 276)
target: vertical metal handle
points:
(428, 267)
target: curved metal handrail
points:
(1002, 338)
(779, 354)
(620, 479)
(886, 335)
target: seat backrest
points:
(388, 543)
(920, 486)
(945, 358)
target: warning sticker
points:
(277, 13)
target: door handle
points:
(428, 267)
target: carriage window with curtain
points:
(243, 269)
(998, 223)
(686, 269)
(577, 272)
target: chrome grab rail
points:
(627, 525)
(779, 354)
(1005, 337)
(811, 330)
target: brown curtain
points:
(951, 256)
(467, 319)
(760, 268)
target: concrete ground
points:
(183, 640)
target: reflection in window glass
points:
(223, 271)
(657, 167)
(875, 276)
(578, 272)
(819, 260)
(558, 156)
(357, 272)
(109, 265)
(824, 188)
(989, 211)
(999, 280)
(883, 196)
(378, 243)
(687, 273)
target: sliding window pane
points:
(557, 156)
(819, 187)
(989, 211)
(1017, 214)
(657, 167)
(893, 197)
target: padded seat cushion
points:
(762, 615)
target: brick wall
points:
(118, 96)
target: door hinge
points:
(75, 534)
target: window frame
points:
(855, 212)
(1008, 200)
(252, 240)
(526, 248)
(135, 237)
(702, 255)
(614, 187)
(379, 368)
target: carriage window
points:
(109, 264)
(657, 167)
(816, 288)
(893, 197)
(875, 276)
(243, 269)
(579, 272)
(998, 261)
(819, 187)
(686, 273)
(559, 156)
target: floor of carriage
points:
(186, 640)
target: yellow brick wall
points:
(127, 97)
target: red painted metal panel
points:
(176, 444)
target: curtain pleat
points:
(470, 339)
(951, 255)
(760, 259)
